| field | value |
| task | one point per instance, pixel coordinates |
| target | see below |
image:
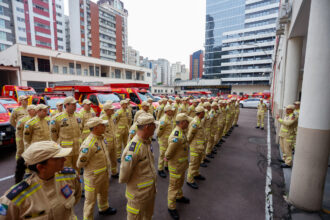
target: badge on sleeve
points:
(175, 140)
(176, 133)
(3, 209)
(128, 158)
(162, 122)
(132, 132)
(66, 191)
(84, 150)
(26, 126)
(194, 126)
(52, 122)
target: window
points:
(97, 71)
(2, 23)
(58, 14)
(40, 8)
(148, 74)
(2, 11)
(60, 47)
(21, 19)
(37, 24)
(19, 9)
(55, 69)
(91, 70)
(128, 74)
(78, 69)
(21, 29)
(59, 23)
(65, 70)
(94, 100)
(59, 31)
(43, 65)
(71, 68)
(117, 74)
(43, 43)
(28, 63)
(138, 76)
(3, 47)
(3, 35)
(58, 6)
(60, 39)
(85, 72)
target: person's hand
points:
(165, 159)
(277, 116)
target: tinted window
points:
(2, 109)
(93, 99)
(8, 101)
(105, 97)
(28, 63)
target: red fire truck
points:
(15, 91)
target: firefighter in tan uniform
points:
(85, 114)
(228, 115)
(196, 139)
(66, 130)
(37, 128)
(202, 102)
(59, 109)
(137, 170)
(20, 129)
(20, 111)
(191, 110)
(49, 192)
(214, 117)
(296, 113)
(176, 106)
(208, 120)
(121, 118)
(262, 108)
(93, 157)
(163, 132)
(222, 121)
(177, 157)
(145, 109)
(183, 107)
(110, 138)
(151, 107)
(160, 109)
(130, 111)
(132, 131)
(237, 112)
(287, 135)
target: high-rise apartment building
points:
(196, 65)
(33, 22)
(133, 56)
(99, 29)
(240, 38)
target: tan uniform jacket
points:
(130, 114)
(93, 155)
(110, 130)
(85, 116)
(164, 130)
(132, 131)
(138, 113)
(183, 108)
(160, 112)
(214, 119)
(287, 129)
(19, 135)
(151, 109)
(191, 111)
(55, 112)
(17, 114)
(207, 122)
(66, 130)
(177, 151)
(176, 106)
(228, 113)
(137, 170)
(222, 116)
(262, 108)
(196, 135)
(37, 199)
(121, 118)
(35, 130)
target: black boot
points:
(257, 127)
(192, 185)
(161, 173)
(115, 176)
(183, 200)
(109, 211)
(199, 177)
(203, 165)
(174, 213)
(119, 160)
(206, 161)
(210, 156)
(166, 169)
(285, 166)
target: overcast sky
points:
(170, 29)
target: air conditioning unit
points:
(285, 13)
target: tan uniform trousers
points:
(96, 188)
(261, 117)
(140, 210)
(175, 189)
(286, 148)
(210, 141)
(162, 149)
(111, 145)
(71, 161)
(196, 158)
(219, 133)
(122, 138)
(236, 117)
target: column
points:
(313, 140)
(293, 58)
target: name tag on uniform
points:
(66, 191)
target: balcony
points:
(261, 53)
(252, 62)
(251, 37)
(255, 70)
(247, 46)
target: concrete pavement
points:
(234, 186)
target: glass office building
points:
(239, 40)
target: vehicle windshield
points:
(23, 92)
(143, 97)
(2, 109)
(8, 101)
(105, 97)
(149, 95)
(52, 102)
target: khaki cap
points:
(22, 97)
(92, 122)
(214, 104)
(165, 99)
(44, 150)
(87, 102)
(69, 100)
(169, 108)
(203, 98)
(199, 109)
(41, 106)
(31, 107)
(185, 99)
(297, 102)
(123, 102)
(290, 107)
(108, 102)
(207, 104)
(145, 103)
(59, 103)
(177, 99)
(182, 117)
(195, 101)
(145, 119)
(107, 106)
(150, 99)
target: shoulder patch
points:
(3, 209)
(194, 126)
(176, 133)
(132, 146)
(162, 122)
(52, 122)
(68, 170)
(17, 190)
(132, 132)
(175, 140)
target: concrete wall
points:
(249, 89)
(162, 90)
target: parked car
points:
(251, 103)
(7, 132)
(8, 103)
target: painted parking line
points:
(6, 178)
(268, 190)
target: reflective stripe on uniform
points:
(100, 170)
(137, 147)
(92, 142)
(145, 184)
(169, 202)
(18, 139)
(129, 195)
(284, 130)
(121, 126)
(89, 189)
(64, 143)
(193, 154)
(85, 131)
(171, 168)
(162, 148)
(200, 142)
(182, 159)
(175, 175)
(26, 193)
(132, 210)
(63, 177)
